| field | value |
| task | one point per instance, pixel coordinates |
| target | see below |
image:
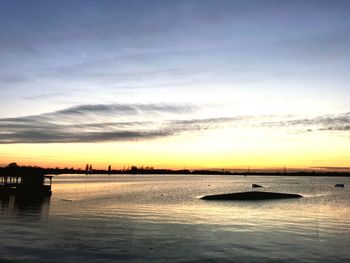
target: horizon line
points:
(248, 168)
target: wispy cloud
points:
(339, 122)
(66, 136)
(125, 122)
(85, 123)
(89, 112)
(13, 78)
(122, 109)
(44, 96)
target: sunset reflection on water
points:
(126, 215)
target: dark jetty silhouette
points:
(253, 195)
(339, 185)
(24, 181)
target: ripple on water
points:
(160, 218)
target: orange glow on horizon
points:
(213, 150)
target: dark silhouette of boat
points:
(253, 195)
(15, 180)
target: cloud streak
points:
(85, 123)
(340, 122)
(129, 122)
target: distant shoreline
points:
(14, 168)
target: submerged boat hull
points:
(253, 195)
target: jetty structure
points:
(15, 180)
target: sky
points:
(174, 84)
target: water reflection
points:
(161, 218)
(35, 206)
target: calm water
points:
(159, 218)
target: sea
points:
(161, 218)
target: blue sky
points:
(56, 54)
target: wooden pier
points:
(28, 184)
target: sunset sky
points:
(173, 84)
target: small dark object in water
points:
(67, 200)
(254, 195)
(339, 185)
(256, 186)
